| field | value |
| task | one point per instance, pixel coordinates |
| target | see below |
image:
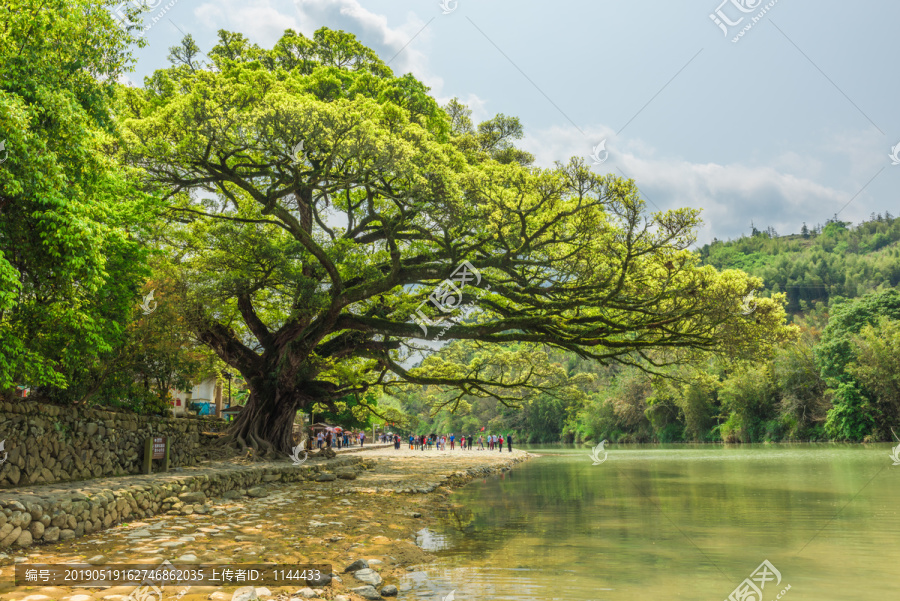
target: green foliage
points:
(842, 383)
(856, 413)
(876, 367)
(836, 350)
(848, 420)
(71, 259)
(349, 412)
(311, 312)
(819, 265)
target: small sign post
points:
(156, 447)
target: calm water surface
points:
(674, 522)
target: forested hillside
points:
(838, 381)
(819, 264)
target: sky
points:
(774, 112)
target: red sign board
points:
(159, 447)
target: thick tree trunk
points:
(266, 423)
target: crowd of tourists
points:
(484, 442)
(339, 439)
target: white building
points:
(207, 392)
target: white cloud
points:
(262, 21)
(731, 196)
(400, 44)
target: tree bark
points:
(266, 422)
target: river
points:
(674, 522)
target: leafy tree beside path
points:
(302, 266)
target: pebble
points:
(188, 558)
(245, 593)
(359, 564)
(367, 592)
(368, 576)
(138, 534)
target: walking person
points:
(362, 438)
(452, 440)
(481, 443)
(500, 440)
(509, 442)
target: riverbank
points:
(372, 515)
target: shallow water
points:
(675, 522)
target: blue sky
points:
(792, 123)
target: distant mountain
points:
(819, 265)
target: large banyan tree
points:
(326, 216)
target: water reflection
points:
(674, 522)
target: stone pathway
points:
(334, 521)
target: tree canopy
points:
(316, 200)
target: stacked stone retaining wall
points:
(45, 444)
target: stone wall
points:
(49, 443)
(47, 514)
